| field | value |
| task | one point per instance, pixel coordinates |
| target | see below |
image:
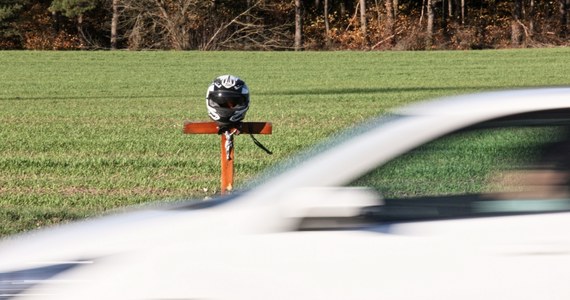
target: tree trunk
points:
(463, 12)
(422, 13)
(378, 14)
(80, 29)
(532, 16)
(454, 8)
(114, 24)
(55, 23)
(396, 7)
(430, 21)
(298, 24)
(444, 13)
(363, 26)
(516, 26)
(564, 7)
(327, 28)
(390, 21)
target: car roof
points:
(494, 103)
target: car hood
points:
(482, 258)
(122, 232)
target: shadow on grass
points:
(109, 97)
(312, 91)
(323, 91)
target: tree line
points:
(283, 24)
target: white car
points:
(461, 198)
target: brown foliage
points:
(39, 32)
(270, 25)
(38, 40)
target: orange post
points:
(227, 163)
(227, 154)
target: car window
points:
(484, 169)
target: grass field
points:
(84, 132)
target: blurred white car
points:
(461, 198)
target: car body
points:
(446, 199)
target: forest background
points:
(283, 25)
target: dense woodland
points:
(283, 24)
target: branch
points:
(386, 39)
(228, 25)
(526, 33)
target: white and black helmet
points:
(227, 100)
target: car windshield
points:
(508, 166)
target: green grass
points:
(84, 132)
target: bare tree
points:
(114, 24)
(298, 25)
(165, 23)
(205, 25)
(390, 21)
(396, 8)
(516, 24)
(463, 12)
(531, 17)
(430, 23)
(174, 18)
(248, 31)
(564, 7)
(363, 25)
(159, 23)
(327, 26)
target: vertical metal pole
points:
(227, 165)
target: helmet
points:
(227, 100)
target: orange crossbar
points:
(212, 127)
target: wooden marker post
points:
(227, 144)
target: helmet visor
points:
(227, 99)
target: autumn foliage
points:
(270, 24)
